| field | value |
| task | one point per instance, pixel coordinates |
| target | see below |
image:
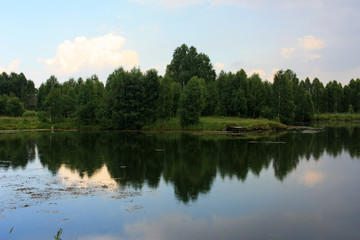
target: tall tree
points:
(166, 99)
(304, 106)
(53, 104)
(255, 98)
(333, 96)
(192, 101)
(151, 94)
(89, 98)
(317, 94)
(44, 90)
(283, 96)
(187, 63)
(126, 98)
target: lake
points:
(118, 185)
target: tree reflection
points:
(187, 161)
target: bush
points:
(29, 114)
(14, 107)
(42, 116)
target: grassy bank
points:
(336, 117)
(205, 124)
(18, 123)
(216, 124)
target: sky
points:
(314, 38)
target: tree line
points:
(189, 89)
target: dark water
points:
(111, 185)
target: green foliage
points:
(166, 99)
(151, 95)
(42, 116)
(317, 93)
(3, 103)
(126, 99)
(53, 104)
(255, 97)
(29, 114)
(187, 63)
(192, 101)
(333, 96)
(18, 85)
(89, 101)
(351, 109)
(14, 107)
(58, 234)
(283, 96)
(44, 90)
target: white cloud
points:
(304, 48)
(13, 67)
(219, 66)
(93, 53)
(287, 52)
(310, 43)
(262, 73)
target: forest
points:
(189, 89)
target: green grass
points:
(173, 124)
(20, 123)
(337, 117)
(216, 124)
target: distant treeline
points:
(189, 89)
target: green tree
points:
(151, 94)
(3, 103)
(44, 90)
(351, 109)
(187, 63)
(68, 91)
(334, 96)
(90, 97)
(177, 90)
(317, 94)
(255, 98)
(126, 99)
(166, 99)
(267, 110)
(192, 101)
(354, 97)
(304, 106)
(14, 107)
(225, 89)
(53, 104)
(211, 99)
(283, 96)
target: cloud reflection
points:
(311, 178)
(101, 178)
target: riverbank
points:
(232, 124)
(217, 124)
(337, 117)
(173, 124)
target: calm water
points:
(112, 185)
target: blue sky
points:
(314, 38)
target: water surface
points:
(115, 185)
